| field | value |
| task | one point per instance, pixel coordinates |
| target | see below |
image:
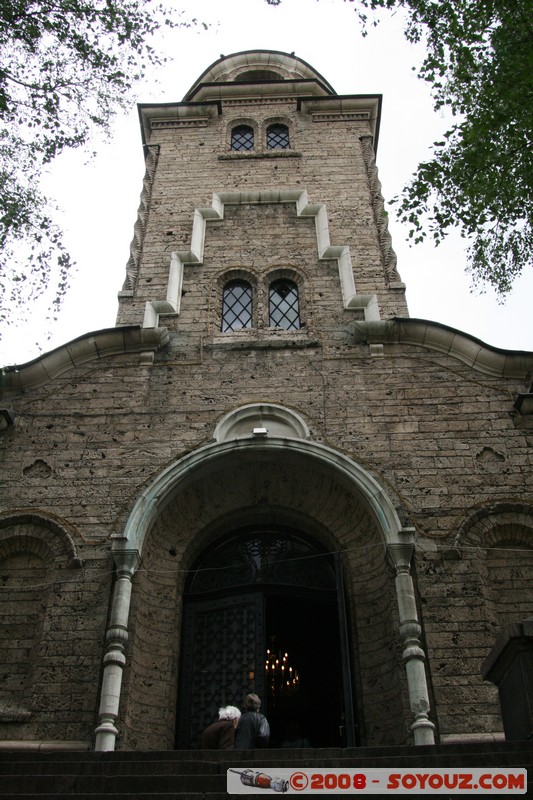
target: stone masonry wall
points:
(427, 427)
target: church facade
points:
(266, 477)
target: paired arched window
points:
(283, 305)
(242, 138)
(236, 306)
(278, 137)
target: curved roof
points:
(259, 66)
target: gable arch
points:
(258, 65)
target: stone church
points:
(266, 477)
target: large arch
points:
(206, 459)
(320, 482)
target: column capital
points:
(126, 560)
(401, 552)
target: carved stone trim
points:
(388, 255)
(259, 101)
(136, 246)
(317, 117)
(180, 123)
(266, 154)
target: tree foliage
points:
(479, 63)
(66, 67)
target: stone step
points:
(225, 796)
(175, 769)
(111, 784)
(315, 754)
(201, 775)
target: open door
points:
(266, 590)
(305, 699)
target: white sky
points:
(99, 199)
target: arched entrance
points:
(204, 496)
(264, 613)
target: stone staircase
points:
(201, 775)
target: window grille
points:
(284, 307)
(236, 306)
(242, 138)
(278, 137)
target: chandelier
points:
(281, 677)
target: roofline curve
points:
(485, 358)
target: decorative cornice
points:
(283, 90)
(136, 246)
(389, 258)
(331, 117)
(449, 341)
(153, 116)
(345, 108)
(201, 122)
(90, 347)
(260, 101)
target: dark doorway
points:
(259, 590)
(310, 706)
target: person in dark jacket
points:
(253, 729)
(220, 735)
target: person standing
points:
(220, 735)
(253, 730)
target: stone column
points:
(126, 562)
(400, 556)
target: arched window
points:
(242, 138)
(236, 306)
(278, 137)
(283, 306)
(258, 75)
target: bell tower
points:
(261, 212)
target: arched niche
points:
(261, 420)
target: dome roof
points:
(257, 67)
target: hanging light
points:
(282, 677)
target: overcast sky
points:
(99, 199)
